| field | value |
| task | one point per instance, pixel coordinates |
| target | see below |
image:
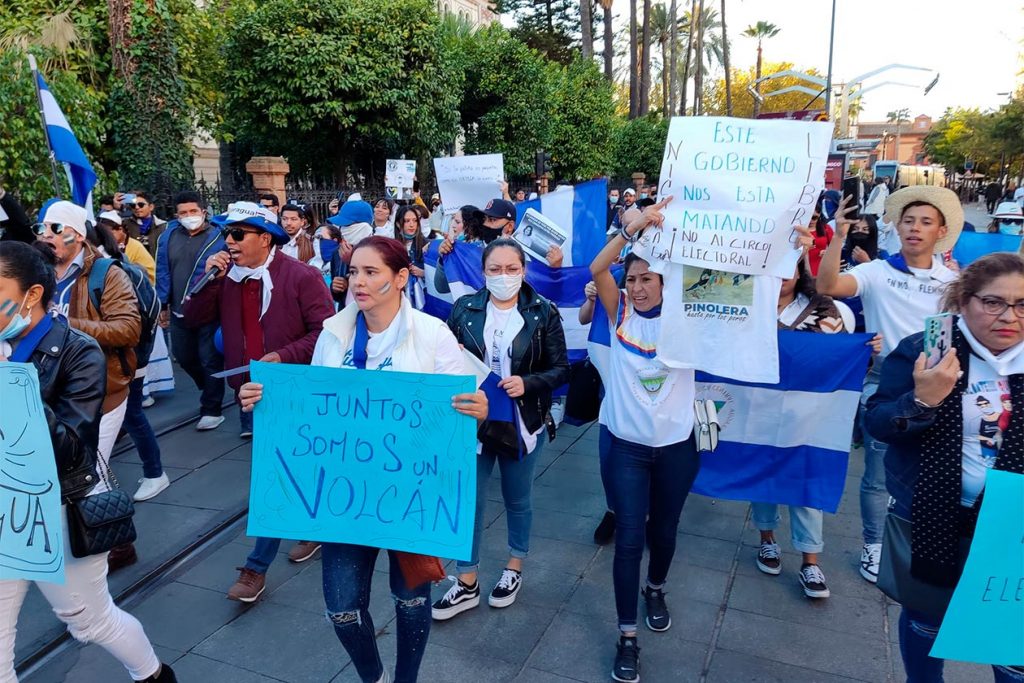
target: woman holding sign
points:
(936, 465)
(381, 332)
(71, 368)
(517, 334)
(647, 419)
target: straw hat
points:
(1009, 210)
(946, 201)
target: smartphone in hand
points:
(938, 337)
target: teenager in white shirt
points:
(898, 294)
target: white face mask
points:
(504, 287)
(1008, 228)
(192, 223)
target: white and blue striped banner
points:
(580, 210)
(66, 149)
(785, 443)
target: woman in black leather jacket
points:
(72, 374)
(517, 334)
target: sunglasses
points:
(57, 228)
(237, 234)
(140, 205)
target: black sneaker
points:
(769, 558)
(605, 531)
(457, 600)
(507, 588)
(658, 618)
(813, 581)
(627, 661)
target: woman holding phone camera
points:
(936, 464)
(381, 332)
(72, 369)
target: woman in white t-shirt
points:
(517, 334)
(381, 332)
(647, 417)
(936, 466)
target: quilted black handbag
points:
(102, 521)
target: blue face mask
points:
(327, 248)
(643, 195)
(1007, 228)
(17, 324)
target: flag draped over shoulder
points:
(464, 270)
(66, 149)
(971, 246)
(789, 442)
(783, 443)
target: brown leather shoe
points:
(121, 556)
(249, 586)
(303, 550)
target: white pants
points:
(85, 605)
(110, 426)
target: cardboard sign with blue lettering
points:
(31, 537)
(365, 457)
(985, 619)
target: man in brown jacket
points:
(116, 326)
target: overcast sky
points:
(973, 45)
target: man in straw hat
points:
(898, 294)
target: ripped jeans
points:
(917, 635)
(348, 573)
(85, 605)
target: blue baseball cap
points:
(251, 213)
(351, 212)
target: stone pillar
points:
(639, 179)
(268, 174)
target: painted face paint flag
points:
(562, 286)
(66, 149)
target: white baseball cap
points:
(111, 216)
(66, 213)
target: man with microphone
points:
(270, 307)
(180, 263)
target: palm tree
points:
(587, 27)
(661, 33)
(698, 74)
(760, 30)
(673, 63)
(704, 42)
(725, 63)
(606, 6)
(634, 84)
(645, 64)
(899, 117)
(686, 61)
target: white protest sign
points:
(472, 179)
(400, 173)
(738, 187)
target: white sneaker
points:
(148, 402)
(870, 557)
(148, 488)
(207, 422)
(384, 677)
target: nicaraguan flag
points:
(580, 210)
(785, 443)
(66, 149)
(562, 286)
(500, 407)
(971, 246)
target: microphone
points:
(206, 279)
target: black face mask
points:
(488, 235)
(866, 241)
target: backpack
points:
(145, 296)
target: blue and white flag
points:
(66, 149)
(581, 211)
(785, 443)
(562, 286)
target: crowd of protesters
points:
(89, 304)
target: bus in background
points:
(907, 175)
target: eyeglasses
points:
(237, 234)
(41, 228)
(996, 306)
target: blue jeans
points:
(196, 354)
(137, 425)
(804, 524)
(348, 573)
(516, 491)
(649, 487)
(244, 420)
(917, 635)
(874, 499)
(604, 444)
(263, 554)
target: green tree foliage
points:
(550, 27)
(639, 145)
(986, 138)
(321, 80)
(583, 121)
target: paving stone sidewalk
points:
(730, 622)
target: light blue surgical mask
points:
(1008, 228)
(17, 324)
